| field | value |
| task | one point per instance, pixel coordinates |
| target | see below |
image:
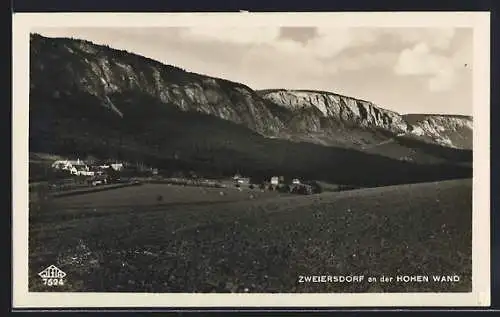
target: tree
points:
(113, 175)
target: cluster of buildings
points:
(240, 180)
(274, 181)
(81, 168)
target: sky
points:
(407, 70)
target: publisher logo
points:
(52, 276)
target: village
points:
(98, 173)
(107, 172)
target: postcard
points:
(251, 159)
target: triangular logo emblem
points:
(52, 272)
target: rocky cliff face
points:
(68, 67)
(452, 131)
(339, 108)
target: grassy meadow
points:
(195, 239)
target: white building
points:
(81, 170)
(275, 180)
(296, 181)
(243, 180)
(62, 165)
(117, 166)
(77, 167)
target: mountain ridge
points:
(112, 103)
(239, 103)
(267, 90)
(367, 114)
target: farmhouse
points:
(240, 180)
(81, 170)
(243, 180)
(64, 164)
(117, 166)
(77, 167)
(275, 180)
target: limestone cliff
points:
(452, 131)
(69, 67)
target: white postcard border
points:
(479, 21)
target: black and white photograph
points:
(245, 154)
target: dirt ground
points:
(224, 240)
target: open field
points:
(197, 240)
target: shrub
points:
(316, 188)
(284, 189)
(57, 174)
